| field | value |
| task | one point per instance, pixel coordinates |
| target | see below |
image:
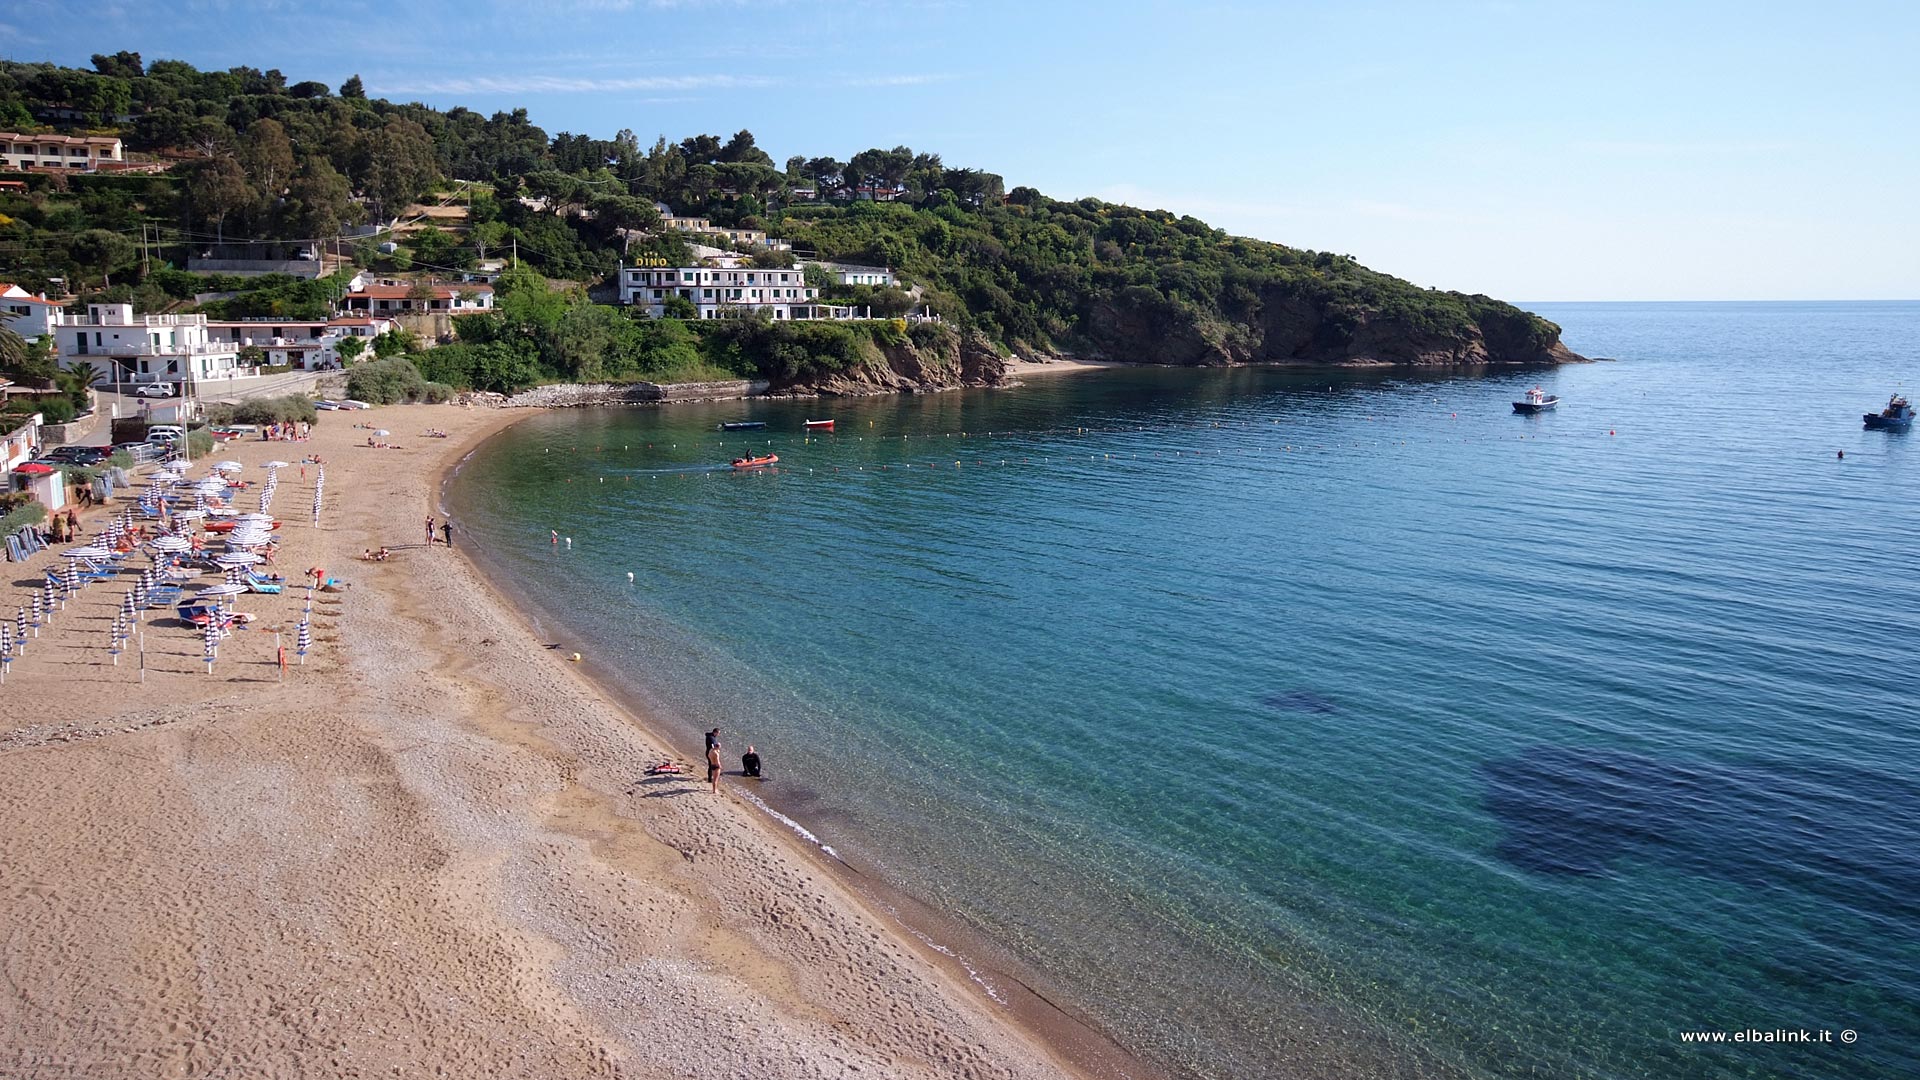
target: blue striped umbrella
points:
(212, 645)
(128, 613)
(72, 581)
(6, 648)
(113, 639)
(304, 641)
(40, 607)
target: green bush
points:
(393, 380)
(274, 410)
(199, 443)
(120, 459)
(56, 410)
(29, 513)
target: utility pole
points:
(516, 253)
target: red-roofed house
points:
(32, 312)
(400, 299)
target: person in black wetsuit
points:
(750, 763)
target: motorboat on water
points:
(756, 462)
(1536, 401)
(819, 425)
(743, 425)
(1897, 416)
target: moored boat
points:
(820, 425)
(1897, 416)
(1537, 401)
(743, 425)
(755, 462)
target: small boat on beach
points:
(819, 425)
(1897, 416)
(756, 462)
(1537, 401)
(743, 425)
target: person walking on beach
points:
(429, 530)
(446, 530)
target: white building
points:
(130, 348)
(849, 274)
(700, 226)
(305, 345)
(57, 151)
(397, 299)
(32, 312)
(723, 293)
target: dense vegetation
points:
(262, 158)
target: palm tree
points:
(85, 374)
(13, 347)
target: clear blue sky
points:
(1584, 150)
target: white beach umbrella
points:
(91, 551)
(228, 466)
(273, 464)
(237, 558)
(222, 590)
(189, 515)
(171, 543)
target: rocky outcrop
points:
(925, 364)
(581, 395)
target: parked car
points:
(77, 455)
(158, 389)
(326, 406)
(166, 433)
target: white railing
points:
(137, 320)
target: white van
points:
(166, 433)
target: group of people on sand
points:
(291, 431)
(370, 555)
(61, 527)
(381, 444)
(749, 763)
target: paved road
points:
(162, 410)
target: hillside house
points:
(85, 152)
(723, 293)
(400, 299)
(32, 312)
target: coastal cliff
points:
(929, 360)
(1283, 326)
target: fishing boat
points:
(756, 462)
(820, 425)
(1537, 401)
(1897, 416)
(743, 425)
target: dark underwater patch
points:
(1303, 701)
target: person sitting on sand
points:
(383, 555)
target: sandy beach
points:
(430, 849)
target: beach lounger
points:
(163, 596)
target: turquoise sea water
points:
(1283, 720)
